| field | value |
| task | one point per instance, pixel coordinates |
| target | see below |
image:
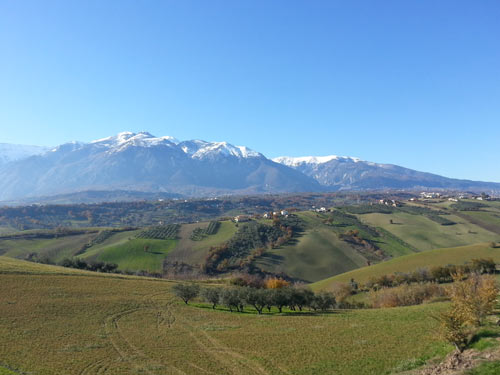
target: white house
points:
(241, 218)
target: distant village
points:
(273, 214)
(452, 197)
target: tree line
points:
(436, 274)
(260, 299)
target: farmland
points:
(408, 263)
(63, 320)
(323, 244)
(81, 323)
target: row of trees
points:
(82, 264)
(438, 274)
(236, 298)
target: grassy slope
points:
(58, 324)
(439, 257)
(56, 249)
(194, 252)
(316, 254)
(489, 220)
(425, 234)
(132, 255)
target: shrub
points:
(276, 283)
(473, 298)
(253, 281)
(405, 295)
(454, 330)
(342, 291)
(483, 265)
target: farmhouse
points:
(241, 218)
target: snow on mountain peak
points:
(125, 139)
(197, 149)
(296, 161)
(212, 149)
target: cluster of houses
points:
(390, 202)
(267, 215)
(319, 209)
(452, 198)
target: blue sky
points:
(414, 83)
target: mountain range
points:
(142, 162)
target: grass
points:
(193, 252)
(57, 324)
(319, 253)
(315, 255)
(407, 263)
(55, 248)
(138, 254)
(6, 371)
(425, 234)
(486, 219)
(487, 368)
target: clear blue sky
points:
(414, 83)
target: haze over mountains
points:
(10, 152)
(145, 163)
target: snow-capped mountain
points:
(143, 162)
(10, 152)
(128, 139)
(350, 173)
(291, 161)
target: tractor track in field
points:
(128, 351)
(215, 349)
(95, 368)
(223, 354)
(164, 319)
(250, 364)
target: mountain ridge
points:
(143, 162)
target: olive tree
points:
(211, 295)
(186, 291)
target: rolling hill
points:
(323, 244)
(408, 263)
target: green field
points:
(425, 234)
(408, 263)
(194, 252)
(316, 255)
(88, 324)
(317, 251)
(138, 254)
(54, 248)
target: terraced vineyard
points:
(162, 232)
(200, 233)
